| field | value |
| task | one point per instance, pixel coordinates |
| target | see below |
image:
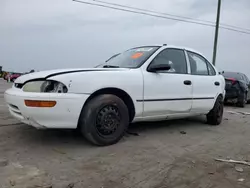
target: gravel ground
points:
(170, 154)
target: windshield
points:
(132, 58)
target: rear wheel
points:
(104, 120)
(247, 98)
(225, 101)
(214, 117)
(242, 100)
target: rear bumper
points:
(64, 115)
(233, 93)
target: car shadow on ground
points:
(230, 104)
(168, 125)
(72, 137)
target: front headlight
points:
(48, 86)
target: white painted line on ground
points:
(238, 113)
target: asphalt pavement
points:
(169, 154)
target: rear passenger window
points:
(211, 69)
(198, 64)
(173, 57)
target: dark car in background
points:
(237, 88)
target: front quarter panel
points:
(130, 81)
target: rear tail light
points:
(232, 80)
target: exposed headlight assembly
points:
(48, 86)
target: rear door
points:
(206, 84)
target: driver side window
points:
(173, 57)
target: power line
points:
(227, 25)
(173, 15)
(143, 13)
(158, 16)
(236, 30)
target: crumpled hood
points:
(50, 73)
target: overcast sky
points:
(49, 34)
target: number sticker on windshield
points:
(137, 55)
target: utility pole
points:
(216, 32)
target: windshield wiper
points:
(110, 66)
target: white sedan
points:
(149, 83)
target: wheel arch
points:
(219, 95)
(119, 93)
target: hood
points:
(47, 74)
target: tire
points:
(248, 100)
(104, 120)
(242, 100)
(225, 101)
(214, 117)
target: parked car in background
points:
(146, 83)
(14, 76)
(3, 74)
(237, 88)
(7, 76)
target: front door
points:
(168, 92)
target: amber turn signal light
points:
(42, 104)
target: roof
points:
(186, 48)
(172, 46)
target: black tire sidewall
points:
(212, 115)
(242, 100)
(220, 103)
(89, 114)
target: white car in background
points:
(149, 83)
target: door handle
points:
(187, 82)
(217, 83)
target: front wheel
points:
(214, 117)
(104, 120)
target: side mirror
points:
(159, 67)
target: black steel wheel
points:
(104, 120)
(108, 120)
(242, 100)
